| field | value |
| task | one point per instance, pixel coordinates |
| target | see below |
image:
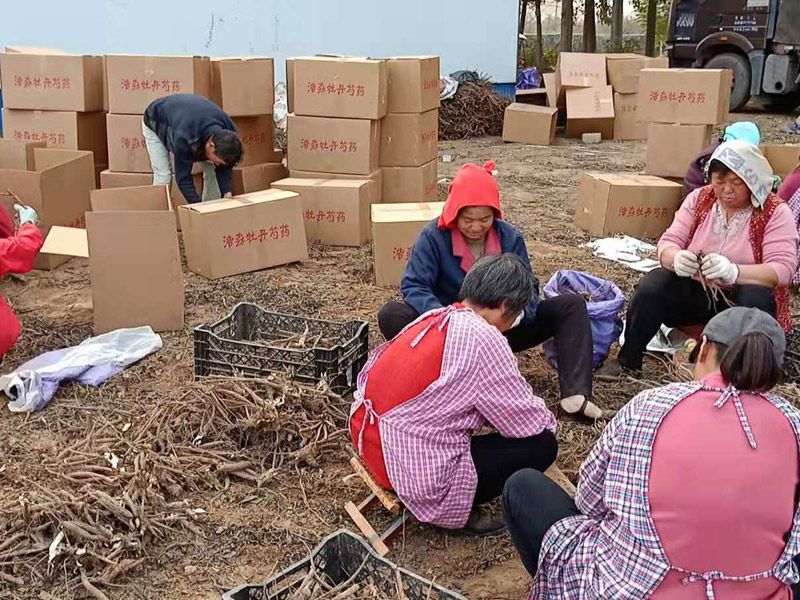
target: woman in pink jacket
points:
(17, 253)
(732, 243)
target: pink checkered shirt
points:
(794, 206)
(612, 550)
(426, 440)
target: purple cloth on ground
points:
(529, 79)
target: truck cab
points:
(758, 40)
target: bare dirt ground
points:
(250, 533)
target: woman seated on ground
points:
(690, 493)
(470, 227)
(422, 398)
(789, 192)
(695, 177)
(732, 242)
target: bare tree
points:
(567, 17)
(616, 26)
(539, 35)
(589, 27)
(650, 33)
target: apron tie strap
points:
(711, 576)
(731, 393)
(441, 320)
(369, 414)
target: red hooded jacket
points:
(17, 253)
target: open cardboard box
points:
(134, 259)
(57, 185)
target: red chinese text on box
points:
(335, 89)
(679, 97)
(341, 146)
(329, 216)
(429, 137)
(132, 143)
(50, 137)
(263, 235)
(642, 211)
(254, 138)
(154, 85)
(430, 84)
(80, 223)
(42, 82)
(401, 254)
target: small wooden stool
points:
(377, 495)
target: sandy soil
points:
(251, 535)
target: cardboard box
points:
(58, 188)
(376, 175)
(623, 70)
(113, 179)
(255, 178)
(326, 145)
(135, 81)
(355, 88)
(52, 81)
(413, 84)
(551, 88)
(133, 283)
(537, 97)
(35, 50)
(409, 140)
(638, 205)
(290, 84)
(626, 126)
(256, 136)
(243, 86)
(411, 184)
(395, 228)
(580, 70)
(685, 96)
(671, 148)
(336, 212)
(59, 129)
(529, 124)
(783, 159)
(242, 234)
(18, 155)
(590, 110)
(127, 151)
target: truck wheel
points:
(738, 65)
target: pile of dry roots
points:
(474, 111)
(116, 492)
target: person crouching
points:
(424, 396)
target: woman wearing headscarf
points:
(690, 493)
(745, 131)
(732, 243)
(789, 192)
(470, 227)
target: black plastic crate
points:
(243, 344)
(344, 557)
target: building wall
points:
(467, 34)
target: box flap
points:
(533, 92)
(339, 59)
(532, 108)
(407, 211)
(66, 241)
(138, 198)
(329, 183)
(243, 200)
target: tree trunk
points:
(539, 36)
(523, 15)
(650, 34)
(616, 26)
(567, 17)
(589, 27)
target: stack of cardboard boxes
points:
(55, 98)
(133, 83)
(681, 106)
(244, 88)
(623, 77)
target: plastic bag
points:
(604, 302)
(529, 79)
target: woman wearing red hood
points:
(472, 226)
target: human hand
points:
(717, 266)
(685, 263)
(26, 214)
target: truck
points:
(758, 40)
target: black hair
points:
(228, 146)
(718, 168)
(500, 280)
(750, 363)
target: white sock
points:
(572, 405)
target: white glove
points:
(716, 266)
(518, 320)
(26, 214)
(685, 264)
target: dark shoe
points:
(482, 523)
(588, 412)
(613, 371)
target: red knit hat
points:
(472, 186)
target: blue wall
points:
(467, 34)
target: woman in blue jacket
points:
(472, 226)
